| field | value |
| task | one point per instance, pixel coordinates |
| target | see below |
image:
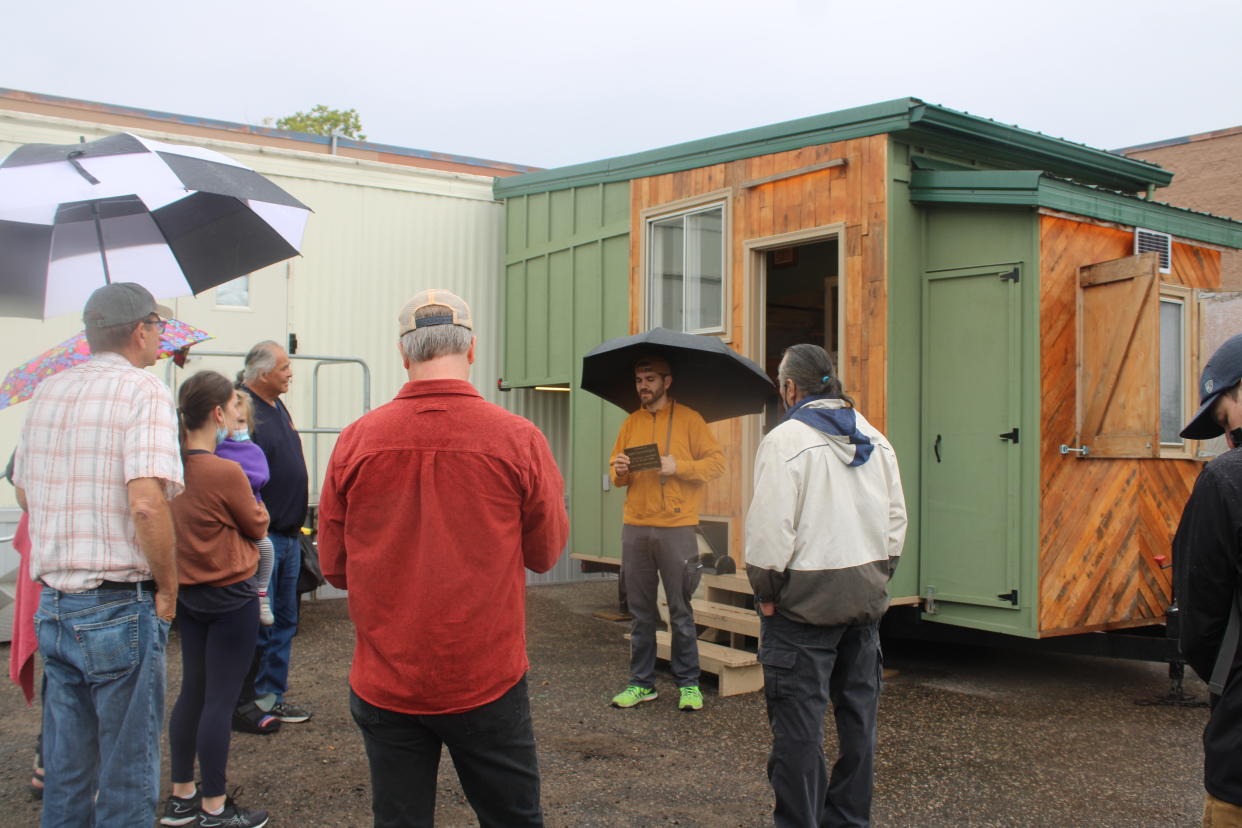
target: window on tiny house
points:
(685, 270)
(1174, 356)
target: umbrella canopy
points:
(177, 220)
(708, 375)
(20, 383)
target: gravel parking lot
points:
(968, 736)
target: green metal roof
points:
(910, 119)
(1035, 188)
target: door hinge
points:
(1011, 596)
(1011, 276)
(1010, 435)
(293, 343)
(929, 603)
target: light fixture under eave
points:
(551, 387)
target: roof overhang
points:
(908, 119)
(1035, 188)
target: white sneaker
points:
(265, 611)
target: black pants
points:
(804, 666)
(215, 653)
(493, 750)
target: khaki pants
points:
(1218, 813)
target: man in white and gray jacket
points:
(823, 537)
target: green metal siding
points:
(567, 272)
(926, 238)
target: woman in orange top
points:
(217, 519)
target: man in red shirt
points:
(433, 507)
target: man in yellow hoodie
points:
(658, 534)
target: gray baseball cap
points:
(1222, 372)
(119, 303)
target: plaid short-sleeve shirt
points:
(89, 431)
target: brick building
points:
(1207, 176)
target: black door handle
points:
(936, 448)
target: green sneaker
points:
(633, 695)
(691, 698)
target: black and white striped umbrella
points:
(176, 219)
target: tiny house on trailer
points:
(1017, 312)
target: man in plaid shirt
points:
(97, 463)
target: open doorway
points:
(801, 303)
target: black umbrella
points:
(708, 375)
(175, 219)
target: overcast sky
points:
(553, 82)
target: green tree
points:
(322, 120)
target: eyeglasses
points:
(162, 323)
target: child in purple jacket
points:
(238, 448)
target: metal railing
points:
(315, 428)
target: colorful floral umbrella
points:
(19, 384)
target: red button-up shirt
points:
(432, 508)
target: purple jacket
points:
(251, 459)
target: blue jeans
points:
(493, 750)
(103, 707)
(276, 641)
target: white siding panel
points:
(379, 234)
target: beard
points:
(652, 396)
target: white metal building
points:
(381, 231)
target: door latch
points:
(1081, 451)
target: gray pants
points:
(650, 553)
(803, 667)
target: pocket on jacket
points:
(109, 648)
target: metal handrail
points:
(315, 428)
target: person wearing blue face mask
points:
(238, 446)
(217, 521)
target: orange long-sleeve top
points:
(676, 501)
(216, 518)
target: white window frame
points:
(719, 199)
(1183, 297)
(249, 306)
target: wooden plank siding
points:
(1103, 522)
(853, 195)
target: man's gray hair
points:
(261, 360)
(811, 369)
(422, 344)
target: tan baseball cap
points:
(455, 311)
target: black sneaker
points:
(289, 713)
(178, 811)
(233, 816)
(250, 718)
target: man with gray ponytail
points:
(823, 537)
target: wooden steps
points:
(727, 645)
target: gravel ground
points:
(968, 736)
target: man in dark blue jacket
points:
(266, 377)
(1207, 557)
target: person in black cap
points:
(1207, 573)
